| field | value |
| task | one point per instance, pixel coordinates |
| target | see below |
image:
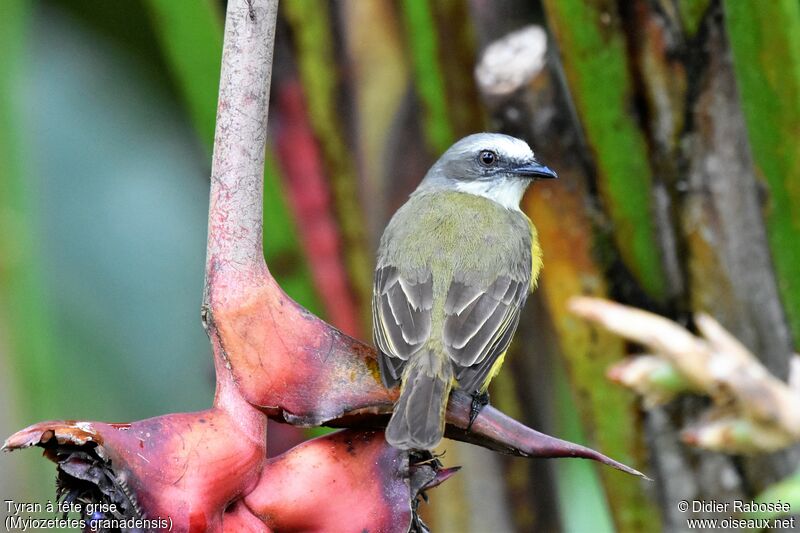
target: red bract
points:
(290, 363)
(179, 470)
(176, 467)
(208, 471)
(331, 483)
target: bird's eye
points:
(487, 158)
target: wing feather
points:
(459, 329)
(473, 378)
(460, 296)
(401, 312)
(477, 333)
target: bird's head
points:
(493, 165)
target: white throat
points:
(506, 192)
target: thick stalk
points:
(234, 252)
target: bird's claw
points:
(479, 401)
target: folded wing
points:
(401, 312)
(480, 320)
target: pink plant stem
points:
(234, 258)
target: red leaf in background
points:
(310, 198)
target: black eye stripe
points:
(487, 158)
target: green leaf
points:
(765, 40)
(428, 76)
(592, 47)
(21, 280)
(191, 37)
(311, 24)
(785, 491)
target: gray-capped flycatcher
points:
(455, 265)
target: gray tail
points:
(418, 419)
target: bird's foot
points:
(479, 401)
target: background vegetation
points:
(673, 124)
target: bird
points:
(454, 267)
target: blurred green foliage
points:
(106, 123)
(21, 270)
(311, 23)
(424, 46)
(592, 45)
(26, 338)
(103, 200)
(785, 491)
(191, 37)
(767, 60)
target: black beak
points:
(535, 170)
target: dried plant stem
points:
(754, 412)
